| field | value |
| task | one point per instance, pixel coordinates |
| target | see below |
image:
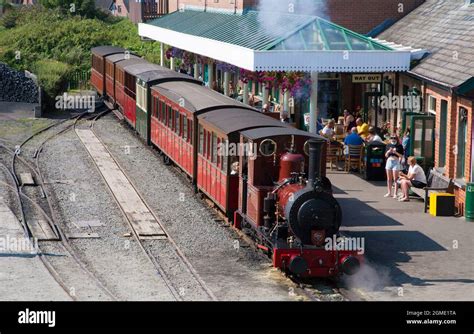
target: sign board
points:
(307, 118)
(366, 78)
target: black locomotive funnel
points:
(314, 167)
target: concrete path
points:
(16, 110)
(411, 255)
(23, 276)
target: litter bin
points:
(470, 202)
(375, 162)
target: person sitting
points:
(328, 130)
(416, 177)
(353, 139)
(373, 137)
(362, 128)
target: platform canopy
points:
(297, 43)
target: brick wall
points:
(364, 15)
(358, 15)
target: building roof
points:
(287, 36)
(300, 42)
(233, 120)
(203, 98)
(446, 30)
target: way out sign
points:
(366, 78)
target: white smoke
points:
(272, 13)
(371, 277)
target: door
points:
(422, 137)
(443, 133)
(371, 108)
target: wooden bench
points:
(436, 182)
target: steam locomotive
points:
(275, 190)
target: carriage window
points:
(214, 148)
(225, 157)
(268, 147)
(176, 121)
(218, 156)
(190, 126)
(170, 116)
(185, 128)
(201, 140)
(141, 97)
(208, 145)
(306, 148)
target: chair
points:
(354, 158)
(333, 155)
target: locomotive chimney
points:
(314, 167)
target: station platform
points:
(23, 276)
(410, 255)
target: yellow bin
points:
(442, 205)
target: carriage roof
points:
(286, 130)
(163, 73)
(232, 120)
(130, 62)
(197, 98)
(120, 56)
(106, 50)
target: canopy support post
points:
(246, 93)
(162, 55)
(313, 103)
(226, 83)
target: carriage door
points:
(422, 138)
(245, 177)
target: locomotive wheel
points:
(166, 160)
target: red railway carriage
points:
(120, 80)
(144, 108)
(130, 88)
(110, 70)
(174, 120)
(98, 65)
(219, 150)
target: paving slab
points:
(411, 255)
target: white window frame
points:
(141, 97)
(432, 98)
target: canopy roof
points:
(300, 42)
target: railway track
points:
(51, 217)
(142, 242)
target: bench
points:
(436, 182)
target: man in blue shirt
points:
(353, 138)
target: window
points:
(176, 121)
(201, 140)
(225, 158)
(462, 140)
(170, 116)
(185, 128)
(214, 148)
(443, 133)
(432, 104)
(141, 97)
(191, 131)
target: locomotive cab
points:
(286, 203)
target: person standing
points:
(394, 154)
(349, 121)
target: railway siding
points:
(132, 205)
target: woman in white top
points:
(416, 178)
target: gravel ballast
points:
(231, 270)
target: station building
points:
(444, 79)
(246, 44)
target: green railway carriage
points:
(144, 81)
